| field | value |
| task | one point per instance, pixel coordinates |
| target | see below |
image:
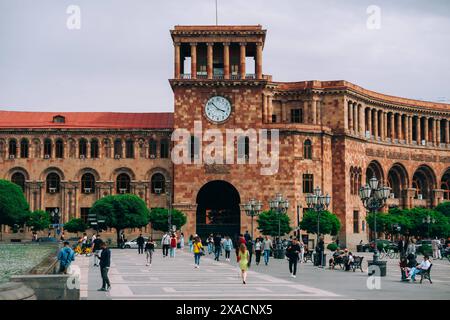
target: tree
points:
(444, 208)
(75, 225)
(14, 207)
(328, 223)
(268, 222)
(38, 220)
(120, 212)
(418, 228)
(159, 218)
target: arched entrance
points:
(397, 180)
(374, 169)
(424, 182)
(218, 209)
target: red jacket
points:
(173, 242)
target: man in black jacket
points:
(105, 263)
(217, 246)
(140, 242)
(96, 248)
(292, 252)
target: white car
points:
(133, 243)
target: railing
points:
(249, 76)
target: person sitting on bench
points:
(422, 267)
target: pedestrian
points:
(258, 250)
(217, 246)
(191, 243)
(402, 245)
(210, 244)
(240, 240)
(250, 248)
(247, 236)
(292, 252)
(302, 251)
(267, 246)
(242, 258)
(149, 249)
(35, 237)
(411, 249)
(165, 243)
(435, 245)
(105, 263)
(122, 240)
(198, 251)
(65, 257)
(140, 242)
(227, 246)
(182, 241)
(173, 245)
(422, 267)
(320, 248)
(96, 247)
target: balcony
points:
(200, 76)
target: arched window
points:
(152, 147)
(24, 148)
(94, 148)
(117, 148)
(307, 149)
(129, 148)
(12, 148)
(88, 183)
(53, 182)
(19, 179)
(47, 148)
(158, 183)
(123, 183)
(59, 149)
(164, 148)
(82, 148)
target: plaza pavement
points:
(176, 278)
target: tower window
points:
(308, 183)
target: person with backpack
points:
(65, 257)
(140, 242)
(198, 252)
(165, 243)
(149, 249)
(173, 245)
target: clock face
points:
(218, 109)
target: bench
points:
(357, 263)
(308, 256)
(426, 274)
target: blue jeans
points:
(414, 272)
(266, 256)
(197, 258)
(210, 248)
(218, 251)
(172, 252)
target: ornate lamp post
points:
(318, 202)
(253, 209)
(429, 220)
(374, 196)
(281, 206)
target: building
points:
(332, 134)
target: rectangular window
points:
(274, 118)
(355, 221)
(308, 183)
(296, 116)
(84, 212)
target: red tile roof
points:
(88, 120)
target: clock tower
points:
(218, 84)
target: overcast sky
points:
(122, 57)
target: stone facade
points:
(333, 132)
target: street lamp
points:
(318, 202)
(374, 196)
(429, 220)
(280, 206)
(253, 209)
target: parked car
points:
(133, 243)
(419, 243)
(47, 240)
(387, 244)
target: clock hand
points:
(217, 107)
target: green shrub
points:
(332, 246)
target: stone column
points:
(226, 60)
(209, 59)
(410, 126)
(355, 118)
(447, 141)
(350, 116)
(392, 133)
(306, 112)
(314, 111)
(369, 122)
(242, 60)
(382, 136)
(258, 62)
(399, 127)
(362, 120)
(283, 111)
(270, 108)
(265, 111)
(193, 60)
(177, 61)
